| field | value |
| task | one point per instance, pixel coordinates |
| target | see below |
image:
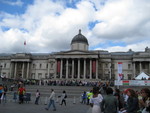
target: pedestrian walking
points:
(144, 102)
(89, 95)
(132, 102)
(37, 97)
(109, 103)
(4, 94)
(51, 100)
(63, 98)
(119, 97)
(21, 92)
(96, 100)
(84, 97)
(1, 92)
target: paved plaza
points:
(15, 107)
(73, 101)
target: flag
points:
(126, 82)
(24, 42)
(94, 66)
(119, 71)
(58, 66)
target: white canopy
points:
(142, 75)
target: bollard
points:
(80, 98)
(57, 100)
(40, 100)
(60, 99)
(46, 98)
(74, 100)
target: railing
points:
(132, 83)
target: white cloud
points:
(134, 47)
(50, 26)
(123, 18)
(17, 3)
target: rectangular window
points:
(5, 65)
(40, 66)
(34, 66)
(46, 76)
(39, 75)
(113, 66)
(129, 66)
(106, 65)
(33, 75)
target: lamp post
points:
(0, 69)
(110, 73)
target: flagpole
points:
(25, 46)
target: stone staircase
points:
(72, 91)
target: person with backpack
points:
(63, 97)
(1, 92)
(21, 92)
(109, 103)
(37, 97)
(51, 100)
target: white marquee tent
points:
(142, 75)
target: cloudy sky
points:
(50, 25)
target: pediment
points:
(75, 52)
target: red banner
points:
(24, 42)
(94, 66)
(58, 66)
(119, 70)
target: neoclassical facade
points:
(79, 63)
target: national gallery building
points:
(78, 63)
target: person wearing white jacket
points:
(52, 100)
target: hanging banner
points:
(119, 71)
(94, 66)
(137, 83)
(125, 82)
(58, 66)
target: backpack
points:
(65, 96)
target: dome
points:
(79, 39)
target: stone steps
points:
(70, 90)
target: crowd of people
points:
(60, 83)
(115, 101)
(102, 99)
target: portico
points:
(77, 68)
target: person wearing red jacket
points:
(21, 92)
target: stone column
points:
(72, 68)
(110, 71)
(90, 68)
(134, 69)
(28, 70)
(96, 68)
(55, 68)
(15, 70)
(66, 68)
(140, 67)
(78, 68)
(149, 67)
(61, 68)
(48, 70)
(23, 70)
(10, 70)
(84, 68)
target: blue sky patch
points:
(24, 30)
(109, 44)
(11, 6)
(91, 25)
(5, 28)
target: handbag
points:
(144, 110)
(2, 96)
